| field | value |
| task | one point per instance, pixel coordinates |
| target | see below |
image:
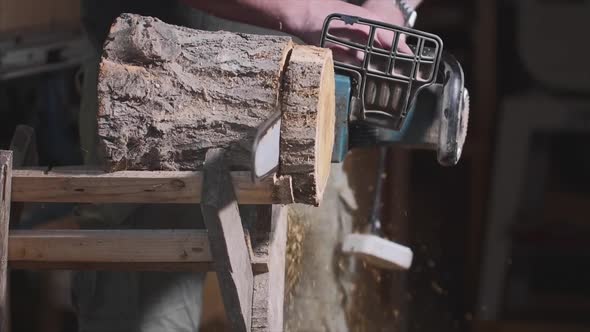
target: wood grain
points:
(77, 184)
(169, 93)
(307, 130)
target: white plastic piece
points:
(378, 251)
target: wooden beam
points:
(231, 256)
(269, 286)
(121, 250)
(83, 185)
(5, 190)
(109, 246)
(119, 266)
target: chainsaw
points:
(417, 101)
(385, 98)
(414, 100)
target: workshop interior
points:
(480, 209)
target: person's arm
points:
(302, 18)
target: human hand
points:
(305, 18)
(308, 25)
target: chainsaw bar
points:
(266, 147)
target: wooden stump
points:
(167, 94)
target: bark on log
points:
(167, 94)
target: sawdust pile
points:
(295, 237)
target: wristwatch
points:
(408, 12)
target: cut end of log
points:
(307, 132)
(326, 123)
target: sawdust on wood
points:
(295, 237)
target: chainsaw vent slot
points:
(403, 68)
(381, 94)
(425, 71)
(429, 50)
(378, 64)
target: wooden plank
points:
(269, 287)
(5, 190)
(108, 246)
(78, 184)
(128, 250)
(228, 245)
(119, 266)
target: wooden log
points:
(167, 94)
(83, 185)
(5, 192)
(307, 133)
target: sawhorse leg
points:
(231, 257)
(251, 273)
(269, 241)
(5, 190)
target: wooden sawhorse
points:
(249, 261)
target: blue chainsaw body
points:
(343, 94)
(412, 133)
